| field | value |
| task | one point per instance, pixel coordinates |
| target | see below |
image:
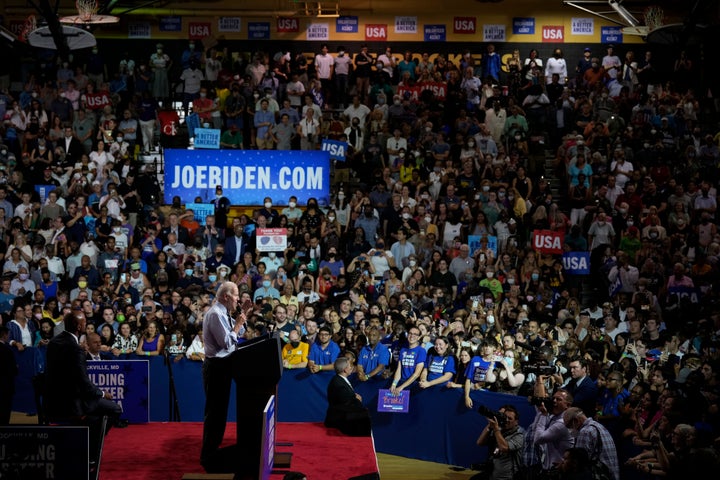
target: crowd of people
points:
(384, 272)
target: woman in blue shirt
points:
(440, 367)
(411, 362)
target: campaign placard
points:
(128, 381)
(201, 211)
(199, 30)
(192, 122)
(271, 239)
(582, 26)
(335, 148)
(207, 138)
(139, 30)
(523, 26)
(259, 31)
(43, 191)
(474, 243)
(247, 176)
(547, 241)
(318, 31)
(464, 25)
(41, 451)
(406, 24)
(576, 263)
(170, 23)
(229, 24)
(553, 34)
(611, 35)
(288, 25)
(389, 403)
(347, 24)
(435, 33)
(494, 33)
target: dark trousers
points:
(6, 406)
(217, 380)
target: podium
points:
(256, 368)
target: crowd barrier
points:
(438, 427)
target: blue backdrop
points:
(438, 427)
(247, 176)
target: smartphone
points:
(123, 277)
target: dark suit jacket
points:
(74, 152)
(8, 369)
(585, 395)
(345, 412)
(231, 250)
(68, 389)
(182, 234)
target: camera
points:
(540, 369)
(547, 401)
(146, 309)
(488, 413)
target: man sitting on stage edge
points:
(69, 393)
(345, 409)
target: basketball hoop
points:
(77, 38)
(654, 17)
(29, 26)
(640, 31)
(87, 15)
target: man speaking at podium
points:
(220, 332)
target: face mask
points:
(622, 211)
(38, 316)
(424, 196)
(428, 219)
(341, 196)
(331, 219)
(212, 278)
(511, 281)
(203, 94)
(630, 223)
(80, 284)
(294, 344)
(601, 222)
(266, 283)
(490, 319)
(511, 197)
(401, 155)
(428, 129)
(501, 194)
(381, 101)
(119, 139)
(486, 188)
(412, 263)
(396, 102)
(268, 204)
(188, 271)
(272, 255)
(471, 144)
(489, 274)
(406, 216)
(535, 276)
(256, 95)
(292, 204)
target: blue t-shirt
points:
(326, 356)
(370, 358)
(477, 369)
(409, 358)
(438, 366)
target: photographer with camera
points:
(504, 439)
(548, 431)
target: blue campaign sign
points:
(523, 26)
(192, 121)
(247, 176)
(201, 211)
(30, 451)
(170, 23)
(207, 138)
(129, 383)
(576, 263)
(258, 30)
(435, 33)
(474, 243)
(267, 450)
(346, 24)
(611, 35)
(43, 191)
(335, 148)
(389, 403)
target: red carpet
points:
(167, 451)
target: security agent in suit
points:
(345, 409)
(8, 372)
(220, 335)
(69, 393)
(72, 147)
